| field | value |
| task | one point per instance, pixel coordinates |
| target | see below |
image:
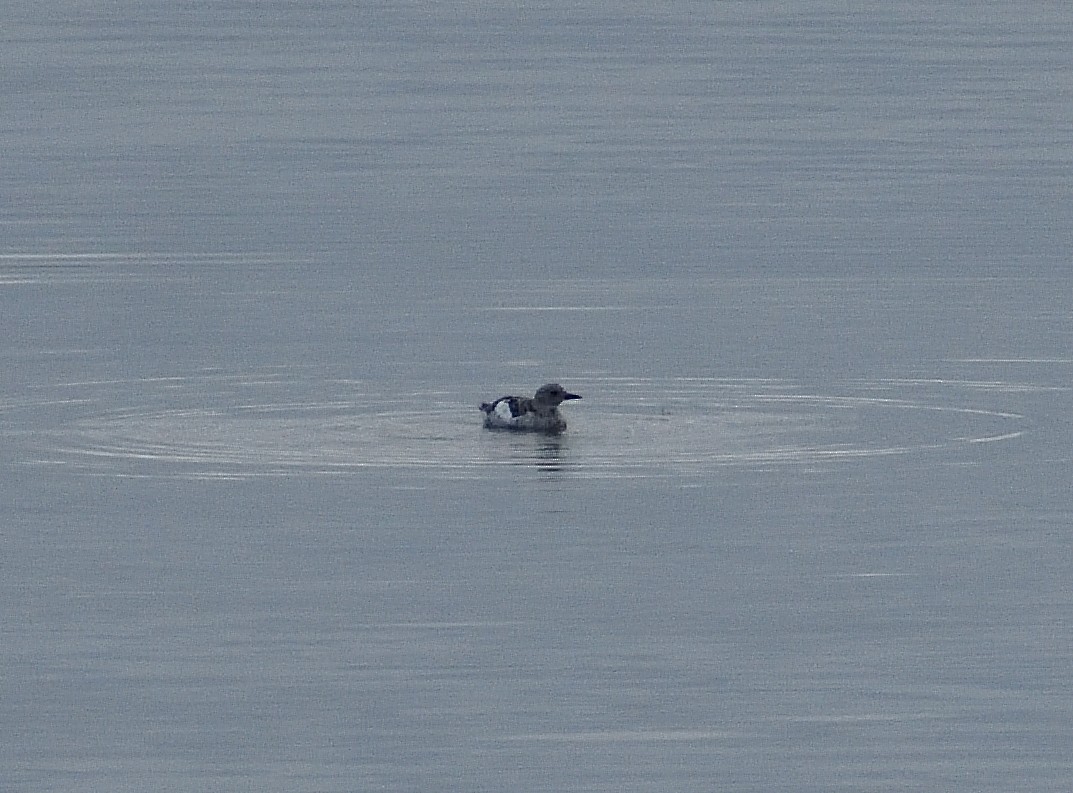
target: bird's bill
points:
(570, 396)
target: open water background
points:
(808, 264)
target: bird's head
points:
(553, 395)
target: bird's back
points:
(521, 413)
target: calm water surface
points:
(809, 528)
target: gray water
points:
(807, 263)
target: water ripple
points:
(290, 422)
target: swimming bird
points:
(539, 414)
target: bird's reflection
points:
(544, 452)
(549, 453)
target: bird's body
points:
(539, 413)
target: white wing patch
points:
(502, 412)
